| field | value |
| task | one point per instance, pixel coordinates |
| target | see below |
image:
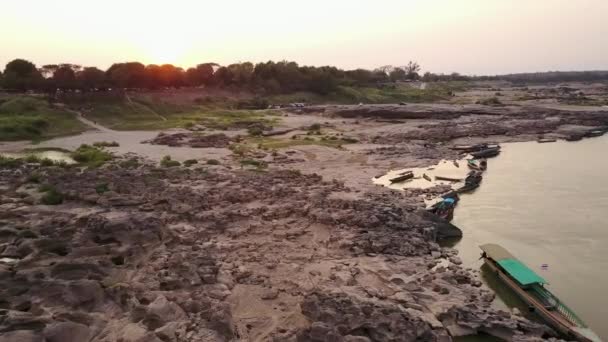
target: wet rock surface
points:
(178, 254)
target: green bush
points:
(316, 127)
(32, 158)
(101, 188)
(10, 162)
(255, 131)
(52, 197)
(90, 156)
(47, 162)
(190, 162)
(130, 163)
(45, 188)
(168, 162)
(33, 178)
(492, 101)
(258, 164)
(106, 144)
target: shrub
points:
(45, 188)
(213, 162)
(91, 156)
(316, 127)
(168, 162)
(190, 162)
(492, 101)
(106, 144)
(348, 140)
(52, 197)
(130, 163)
(9, 162)
(101, 188)
(255, 131)
(48, 162)
(32, 158)
(33, 178)
(258, 164)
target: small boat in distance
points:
(546, 140)
(475, 148)
(427, 177)
(477, 164)
(529, 286)
(402, 177)
(488, 152)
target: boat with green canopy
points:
(529, 286)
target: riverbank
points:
(270, 237)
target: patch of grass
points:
(258, 164)
(46, 149)
(190, 162)
(389, 93)
(101, 188)
(52, 197)
(168, 162)
(131, 163)
(45, 188)
(255, 131)
(33, 178)
(30, 118)
(275, 143)
(91, 156)
(106, 144)
(153, 114)
(492, 101)
(9, 162)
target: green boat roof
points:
(520, 272)
(514, 267)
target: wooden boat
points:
(449, 179)
(425, 176)
(444, 208)
(475, 148)
(529, 286)
(456, 163)
(403, 176)
(546, 140)
(574, 137)
(488, 152)
(595, 133)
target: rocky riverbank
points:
(141, 253)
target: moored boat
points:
(444, 208)
(529, 286)
(488, 152)
(477, 164)
(546, 140)
(402, 177)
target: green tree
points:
(20, 74)
(397, 74)
(91, 78)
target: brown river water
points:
(547, 204)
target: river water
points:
(547, 204)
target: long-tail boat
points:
(529, 286)
(402, 176)
(489, 152)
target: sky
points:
(444, 36)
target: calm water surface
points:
(547, 204)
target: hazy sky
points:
(468, 36)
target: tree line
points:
(268, 77)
